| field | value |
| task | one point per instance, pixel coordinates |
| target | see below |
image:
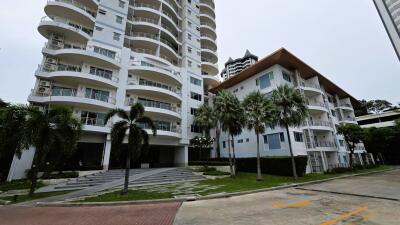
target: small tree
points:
(55, 130)
(133, 123)
(259, 113)
(353, 134)
(205, 119)
(202, 143)
(230, 113)
(292, 108)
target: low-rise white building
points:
(384, 119)
(328, 104)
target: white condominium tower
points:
(389, 11)
(106, 54)
(233, 67)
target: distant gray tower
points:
(233, 67)
(389, 11)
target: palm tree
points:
(55, 130)
(259, 113)
(132, 122)
(3, 104)
(205, 119)
(292, 111)
(230, 114)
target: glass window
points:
(117, 36)
(286, 77)
(195, 81)
(265, 139)
(265, 80)
(195, 96)
(223, 144)
(193, 111)
(298, 137)
(121, 4)
(195, 129)
(282, 136)
(274, 141)
(119, 19)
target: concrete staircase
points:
(169, 176)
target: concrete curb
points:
(215, 196)
(350, 194)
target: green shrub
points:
(281, 166)
(203, 169)
(62, 175)
(350, 169)
(216, 173)
(209, 163)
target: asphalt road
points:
(314, 204)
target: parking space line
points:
(345, 215)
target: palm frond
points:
(148, 121)
(136, 111)
(119, 112)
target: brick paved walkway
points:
(149, 214)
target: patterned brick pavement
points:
(148, 214)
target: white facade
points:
(389, 11)
(105, 54)
(317, 138)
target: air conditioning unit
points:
(43, 90)
(44, 84)
(51, 61)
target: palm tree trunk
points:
(291, 155)
(127, 169)
(230, 156)
(259, 176)
(37, 162)
(234, 155)
(351, 157)
(217, 137)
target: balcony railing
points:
(163, 25)
(208, 36)
(163, 126)
(154, 37)
(176, 73)
(324, 144)
(349, 119)
(48, 68)
(208, 24)
(315, 103)
(93, 122)
(320, 123)
(143, 19)
(70, 23)
(149, 83)
(316, 86)
(207, 3)
(57, 46)
(153, 104)
(77, 4)
(73, 93)
(100, 97)
(172, 5)
(144, 5)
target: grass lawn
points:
(24, 198)
(131, 195)
(18, 185)
(242, 182)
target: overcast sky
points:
(342, 39)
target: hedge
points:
(209, 163)
(281, 166)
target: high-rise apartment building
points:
(389, 11)
(106, 54)
(328, 106)
(233, 67)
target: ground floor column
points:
(181, 156)
(106, 153)
(323, 159)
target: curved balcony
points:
(165, 129)
(151, 54)
(348, 120)
(207, 9)
(209, 67)
(209, 55)
(72, 98)
(325, 145)
(207, 40)
(319, 125)
(95, 125)
(142, 10)
(154, 89)
(155, 72)
(76, 55)
(345, 106)
(211, 81)
(317, 106)
(312, 89)
(62, 73)
(207, 29)
(172, 8)
(72, 9)
(207, 18)
(69, 29)
(210, 3)
(156, 110)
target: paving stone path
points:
(181, 189)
